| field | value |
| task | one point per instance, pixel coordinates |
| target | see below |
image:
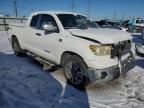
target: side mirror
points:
(48, 27)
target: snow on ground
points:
(23, 84)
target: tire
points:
(16, 48)
(134, 30)
(75, 72)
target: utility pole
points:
(115, 16)
(122, 16)
(88, 8)
(73, 5)
(15, 8)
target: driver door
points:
(47, 42)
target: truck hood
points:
(105, 36)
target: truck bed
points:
(17, 24)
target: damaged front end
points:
(125, 62)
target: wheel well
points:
(13, 36)
(66, 55)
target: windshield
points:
(139, 21)
(70, 21)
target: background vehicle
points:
(85, 52)
(125, 25)
(111, 24)
(135, 25)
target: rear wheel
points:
(16, 47)
(134, 30)
(75, 71)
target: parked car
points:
(104, 24)
(86, 53)
(135, 25)
(125, 25)
(110, 24)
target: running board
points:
(46, 64)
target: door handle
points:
(60, 40)
(38, 34)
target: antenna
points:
(88, 9)
(73, 5)
(15, 8)
(115, 16)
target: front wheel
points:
(75, 71)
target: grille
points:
(121, 48)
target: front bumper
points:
(112, 72)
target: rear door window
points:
(34, 21)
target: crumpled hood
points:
(105, 36)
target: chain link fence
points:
(5, 21)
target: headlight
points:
(101, 50)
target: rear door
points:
(30, 34)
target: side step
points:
(46, 64)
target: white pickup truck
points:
(86, 53)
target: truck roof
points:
(56, 12)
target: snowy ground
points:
(23, 84)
